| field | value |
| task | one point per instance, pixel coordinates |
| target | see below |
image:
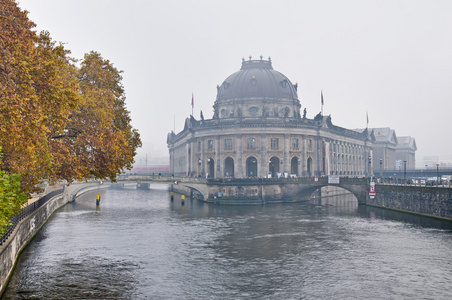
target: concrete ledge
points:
(410, 212)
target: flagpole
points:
(321, 98)
(192, 104)
(367, 119)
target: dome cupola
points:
(257, 90)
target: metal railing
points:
(28, 210)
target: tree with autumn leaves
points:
(98, 141)
(58, 121)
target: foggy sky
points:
(390, 59)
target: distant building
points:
(431, 161)
(259, 129)
(406, 151)
(149, 170)
(384, 148)
(390, 152)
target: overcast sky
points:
(390, 58)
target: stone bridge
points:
(421, 200)
(263, 190)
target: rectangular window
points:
(210, 145)
(251, 143)
(199, 146)
(274, 143)
(309, 144)
(228, 144)
(294, 143)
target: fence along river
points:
(139, 245)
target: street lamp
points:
(404, 171)
(437, 174)
(381, 166)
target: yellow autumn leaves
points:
(58, 120)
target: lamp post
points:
(381, 166)
(404, 171)
(437, 174)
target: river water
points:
(140, 245)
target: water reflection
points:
(140, 245)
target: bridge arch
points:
(306, 192)
(197, 191)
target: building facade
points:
(392, 153)
(260, 130)
(406, 151)
(384, 148)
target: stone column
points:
(303, 166)
(218, 163)
(203, 159)
(286, 166)
(318, 159)
(263, 159)
(192, 164)
(171, 158)
(239, 164)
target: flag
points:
(192, 101)
(367, 117)
(321, 96)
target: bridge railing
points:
(412, 181)
(305, 180)
(26, 211)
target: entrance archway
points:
(273, 166)
(294, 166)
(251, 166)
(229, 167)
(309, 169)
(211, 168)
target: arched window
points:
(211, 168)
(309, 166)
(251, 167)
(294, 166)
(229, 167)
(273, 166)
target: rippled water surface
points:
(139, 245)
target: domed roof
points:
(257, 79)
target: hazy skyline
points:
(390, 59)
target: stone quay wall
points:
(28, 227)
(429, 201)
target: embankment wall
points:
(28, 227)
(429, 201)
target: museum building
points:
(259, 129)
